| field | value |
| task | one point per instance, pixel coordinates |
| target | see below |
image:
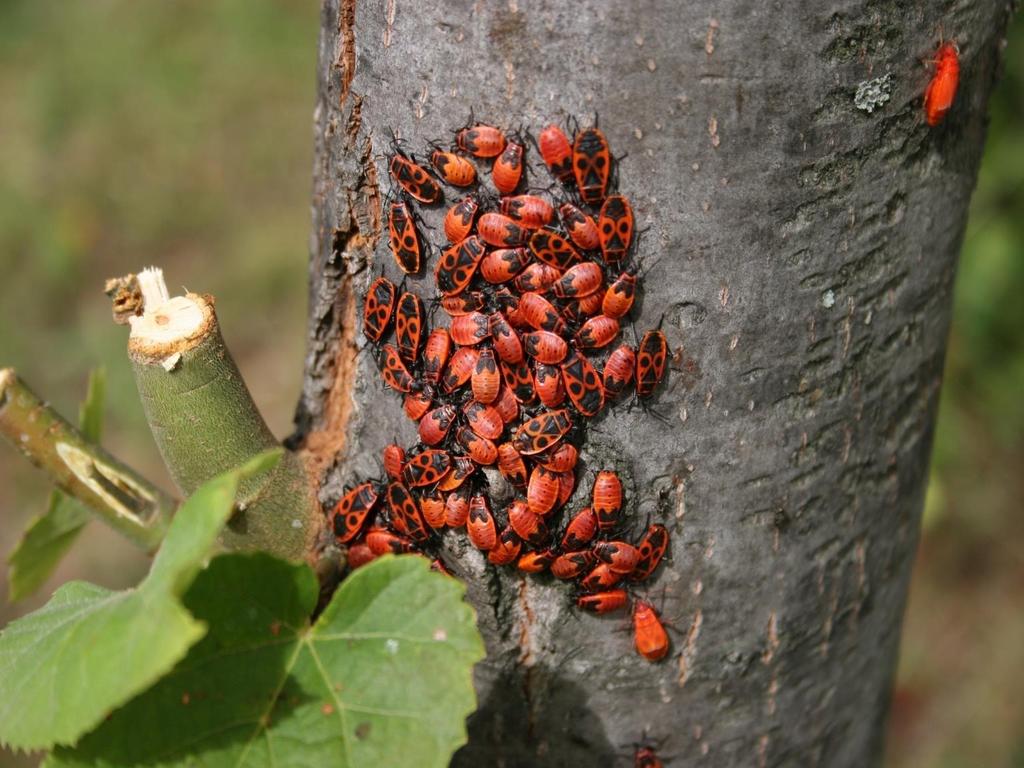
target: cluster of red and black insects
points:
(511, 380)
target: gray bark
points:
(803, 254)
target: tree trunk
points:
(801, 255)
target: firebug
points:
(603, 602)
(591, 161)
(481, 140)
(352, 511)
(455, 169)
(414, 179)
(380, 303)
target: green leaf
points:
(90, 412)
(49, 536)
(384, 677)
(68, 665)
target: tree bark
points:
(802, 252)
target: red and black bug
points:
(531, 211)
(603, 602)
(417, 403)
(508, 168)
(463, 468)
(580, 531)
(652, 548)
(542, 490)
(483, 533)
(457, 265)
(557, 153)
(486, 381)
(481, 449)
(458, 221)
(409, 326)
(456, 507)
(537, 561)
(606, 499)
(649, 635)
(455, 169)
(527, 524)
(469, 329)
(615, 225)
(503, 264)
(582, 384)
(620, 556)
(460, 368)
(542, 431)
(537, 277)
(481, 140)
(539, 313)
(519, 381)
(553, 249)
(435, 354)
(599, 331)
(618, 371)
(463, 303)
(570, 565)
(506, 341)
(566, 485)
(559, 458)
(581, 227)
(511, 465)
(359, 555)
(483, 419)
(500, 231)
(589, 305)
(380, 303)
(432, 510)
(579, 280)
(619, 298)
(646, 757)
(507, 405)
(394, 460)
(510, 307)
(414, 179)
(548, 384)
(600, 578)
(405, 513)
(651, 357)
(353, 510)
(426, 468)
(403, 237)
(591, 162)
(393, 370)
(435, 424)
(545, 347)
(381, 541)
(507, 549)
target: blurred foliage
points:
(135, 133)
(179, 134)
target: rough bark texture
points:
(803, 256)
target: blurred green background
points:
(180, 134)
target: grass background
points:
(180, 134)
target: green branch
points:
(205, 422)
(127, 502)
